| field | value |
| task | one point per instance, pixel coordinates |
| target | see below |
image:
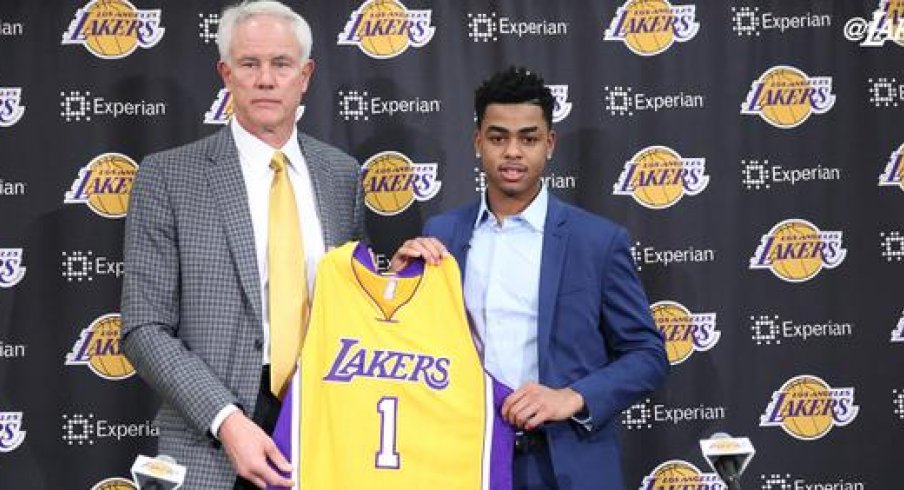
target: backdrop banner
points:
(752, 148)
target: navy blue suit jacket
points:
(595, 333)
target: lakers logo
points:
(11, 108)
(796, 250)
(392, 182)
(562, 107)
(385, 29)
(113, 29)
(158, 468)
(649, 27)
(785, 97)
(807, 408)
(894, 170)
(221, 110)
(684, 332)
(676, 474)
(12, 433)
(115, 484)
(893, 12)
(897, 335)
(104, 185)
(658, 177)
(12, 267)
(98, 348)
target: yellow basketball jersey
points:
(393, 392)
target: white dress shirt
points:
(502, 286)
(254, 158)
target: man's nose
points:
(265, 76)
(513, 148)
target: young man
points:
(222, 238)
(552, 290)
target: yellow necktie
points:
(288, 280)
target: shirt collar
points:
(253, 150)
(484, 211)
(534, 214)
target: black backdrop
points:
(655, 131)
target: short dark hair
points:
(514, 85)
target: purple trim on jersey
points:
(414, 268)
(503, 445)
(282, 432)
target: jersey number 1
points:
(387, 457)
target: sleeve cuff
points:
(584, 419)
(220, 418)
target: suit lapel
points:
(461, 236)
(555, 243)
(321, 175)
(228, 188)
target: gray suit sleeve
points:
(359, 206)
(151, 305)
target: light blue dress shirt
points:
(501, 289)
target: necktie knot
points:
(279, 161)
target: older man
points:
(222, 240)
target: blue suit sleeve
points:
(431, 229)
(638, 362)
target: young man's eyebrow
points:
(500, 129)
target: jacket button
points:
(258, 344)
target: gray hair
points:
(236, 14)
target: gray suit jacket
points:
(191, 301)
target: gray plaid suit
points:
(191, 301)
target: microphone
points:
(728, 457)
(160, 473)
